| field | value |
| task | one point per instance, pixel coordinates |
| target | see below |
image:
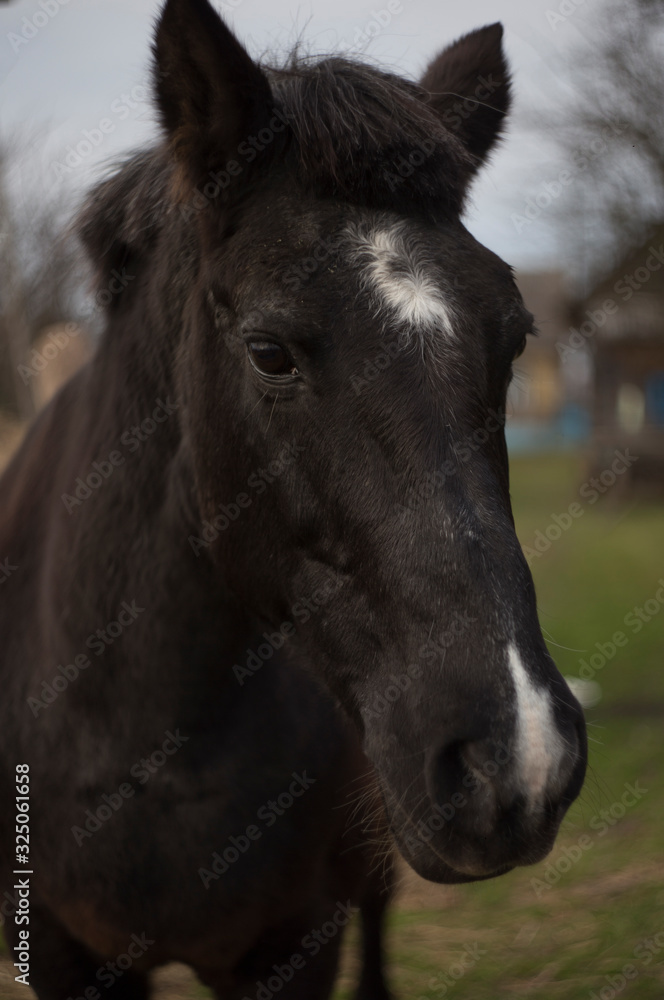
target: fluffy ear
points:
(210, 94)
(469, 86)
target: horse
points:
(265, 616)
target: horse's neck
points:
(124, 474)
(123, 552)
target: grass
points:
(561, 939)
(521, 935)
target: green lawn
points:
(559, 929)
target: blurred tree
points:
(610, 131)
(39, 278)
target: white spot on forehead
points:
(397, 270)
(539, 746)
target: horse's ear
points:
(210, 94)
(468, 84)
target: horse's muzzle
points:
(485, 810)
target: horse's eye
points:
(271, 360)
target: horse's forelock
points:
(370, 137)
(357, 134)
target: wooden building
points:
(543, 410)
(621, 324)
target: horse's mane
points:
(356, 133)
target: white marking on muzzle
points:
(539, 745)
(396, 268)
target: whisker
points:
(271, 412)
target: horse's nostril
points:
(488, 763)
(477, 757)
(463, 767)
(454, 762)
(482, 809)
(445, 771)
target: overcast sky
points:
(87, 60)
